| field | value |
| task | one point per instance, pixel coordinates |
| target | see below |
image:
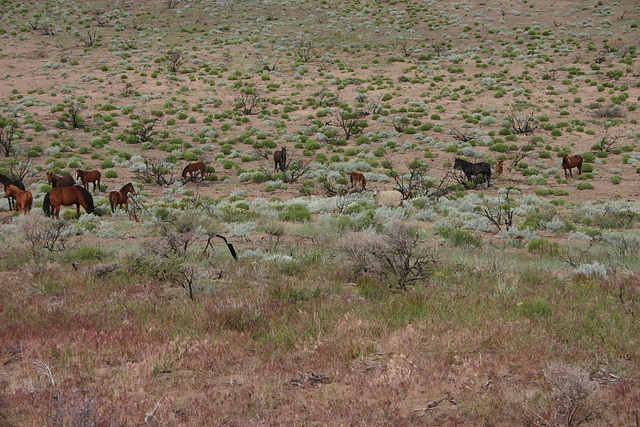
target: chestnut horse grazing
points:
(67, 196)
(358, 178)
(118, 198)
(86, 177)
(280, 159)
(60, 180)
(571, 162)
(193, 169)
(24, 199)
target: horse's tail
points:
(46, 205)
(112, 201)
(88, 199)
(351, 178)
(184, 171)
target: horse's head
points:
(457, 163)
(78, 173)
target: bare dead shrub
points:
(46, 233)
(521, 124)
(304, 50)
(500, 214)
(573, 394)
(175, 60)
(156, 171)
(103, 269)
(395, 256)
(414, 183)
(8, 131)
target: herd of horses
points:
(65, 191)
(483, 168)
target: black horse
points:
(471, 169)
(7, 182)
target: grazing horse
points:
(117, 198)
(471, 169)
(571, 162)
(86, 177)
(60, 181)
(24, 199)
(7, 182)
(67, 196)
(193, 169)
(358, 178)
(499, 169)
(280, 159)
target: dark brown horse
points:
(86, 177)
(193, 169)
(280, 159)
(571, 162)
(358, 178)
(6, 181)
(67, 196)
(118, 198)
(60, 180)
(24, 199)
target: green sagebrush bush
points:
(295, 213)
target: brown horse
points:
(280, 159)
(6, 181)
(499, 169)
(24, 199)
(86, 177)
(60, 180)
(571, 162)
(358, 178)
(118, 198)
(67, 196)
(193, 169)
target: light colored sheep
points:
(391, 198)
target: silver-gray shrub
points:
(239, 229)
(278, 183)
(351, 166)
(478, 223)
(516, 233)
(385, 214)
(554, 225)
(175, 188)
(376, 177)
(105, 229)
(592, 270)
(320, 204)
(622, 244)
(471, 152)
(579, 235)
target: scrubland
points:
(514, 303)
